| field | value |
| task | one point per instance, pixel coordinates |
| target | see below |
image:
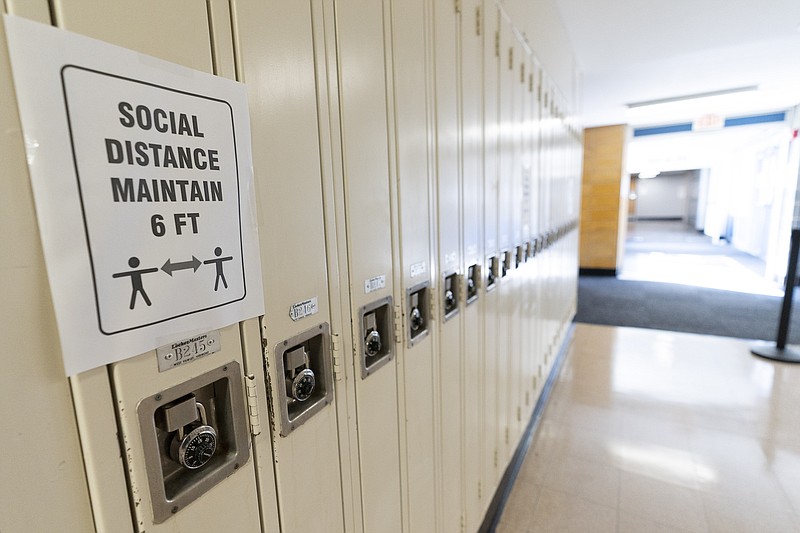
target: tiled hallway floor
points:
(654, 431)
(673, 252)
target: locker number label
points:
(304, 309)
(187, 350)
(374, 284)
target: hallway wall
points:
(604, 198)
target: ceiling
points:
(638, 50)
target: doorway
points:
(718, 214)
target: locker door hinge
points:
(336, 350)
(535, 384)
(528, 397)
(252, 404)
(463, 523)
(497, 44)
(478, 20)
(495, 457)
(511, 58)
(530, 83)
(480, 491)
(539, 92)
(508, 436)
(522, 72)
(457, 5)
(398, 324)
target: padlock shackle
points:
(201, 410)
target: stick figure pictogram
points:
(136, 280)
(218, 263)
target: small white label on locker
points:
(472, 250)
(304, 309)
(188, 350)
(417, 269)
(450, 258)
(374, 284)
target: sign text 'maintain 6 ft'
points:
(142, 177)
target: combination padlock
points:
(449, 300)
(301, 386)
(373, 343)
(194, 449)
(416, 319)
(300, 379)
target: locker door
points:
(363, 107)
(471, 61)
(447, 289)
(177, 32)
(506, 244)
(516, 279)
(534, 381)
(526, 321)
(37, 405)
(546, 202)
(416, 359)
(543, 227)
(275, 58)
(180, 32)
(551, 214)
(491, 276)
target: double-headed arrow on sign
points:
(170, 267)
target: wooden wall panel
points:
(603, 198)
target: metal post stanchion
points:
(779, 351)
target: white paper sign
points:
(142, 176)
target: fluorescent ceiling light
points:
(733, 90)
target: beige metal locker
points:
(448, 281)
(117, 406)
(412, 170)
(150, 27)
(535, 381)
(42, 440)
(408, 155)
(546, 181)
(471, 81)
(539, 229)
(506, 294)
(364, 209)
(491, 276)
(518, 256)
(276, 59)
(527, 325)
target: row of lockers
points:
(417, 178)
